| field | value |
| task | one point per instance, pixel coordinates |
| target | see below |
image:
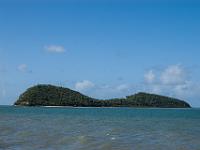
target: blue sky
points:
(101, 48)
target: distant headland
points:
(49, 95)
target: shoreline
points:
(103, 107)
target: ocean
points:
(66, 128)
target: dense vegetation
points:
(48, 95)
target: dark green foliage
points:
(48, 95)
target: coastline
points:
(76, 107)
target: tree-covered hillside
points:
(49, 95)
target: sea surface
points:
(65, 128)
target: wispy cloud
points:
(172, 81)
(174, 74)
(84, 85)
(54, 48)
(149, 76)
(22, 68)
(104, 91)
(122, 87)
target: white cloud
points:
(174, 74)
(55, 48)
(83, 85)
(173, 81)
(188, 89)
(107, 91)
(149, 76)
(22, 68)
(122, 87)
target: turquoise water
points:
(33, 128)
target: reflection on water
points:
(99, 128)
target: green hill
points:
(49, 95)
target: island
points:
(50, 95)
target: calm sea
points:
(35, 128)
